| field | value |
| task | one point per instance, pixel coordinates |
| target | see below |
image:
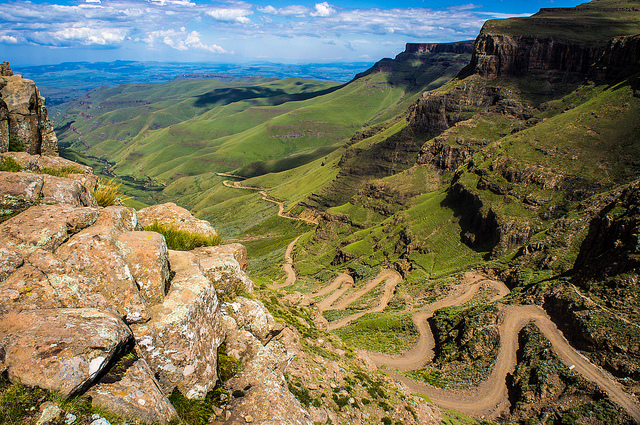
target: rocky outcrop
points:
(59, 349)
(259, 392)
(174, 217)
(500, 55)
(622, 55)
(20, 190)
(434, 113)
(82, 285)
(460, 47)
(444, 157)
(23, 115)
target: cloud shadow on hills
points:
(266, 96)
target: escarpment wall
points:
(23, 115)
(460, 47)
(498, 55)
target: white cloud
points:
(323, 9)
(231, 15)
(293, 10)
(173, 3)
(9, 39)
(93, 1)
(88, 36)
(182, 40)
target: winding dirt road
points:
(489, 399)
(268, 198)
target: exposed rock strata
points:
(460, 47)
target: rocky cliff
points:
(23, 116)
(460, 47)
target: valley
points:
(451, 236)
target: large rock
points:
(10, 261)
(28, 120)
(45, 226)
(224, 266)
(94, 253)
(260, 391)
(133, 393)
(253, 317)
(20, 190)
(147, 257)
(175, 217)
(180, 342)
(61, 349)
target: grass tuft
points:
(180, 240)
(9, 164)
(108, 193)
(65, 171)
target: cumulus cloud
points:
(87, 36)
(231, 15)
(181, 40)
(9, 39)
(323, 9)
(293, 10)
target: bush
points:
(9, 164)
(107, 193)
(15, 145)
(180, 240)
(65, 171)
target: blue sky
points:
(48, 32)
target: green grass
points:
(381, 332)
(65, 171)
(9, 164)
(108, 193)
(181, 240)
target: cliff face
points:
(498, 55)
(461, 47)
(23, 115)
(621, 54)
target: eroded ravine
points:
(489, 398)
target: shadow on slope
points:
(270, 97)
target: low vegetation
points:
(65, 171)
(9, 164)
(108, 193)
(181, 240)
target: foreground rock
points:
(172, 216)
(181, 340)
(60, 349)
(133, 393)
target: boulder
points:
(45, 226)
(147, 257)
(60, 349)
(26, 161)
(221, 266)
(181, 340)
(62, 190)
(18, 191)
(175, 217)
(28, 288)
(57, 163)
(133, 393)
(93, 253)
(260, 391)
(27, 115)
(253, 317)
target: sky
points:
(49, 32)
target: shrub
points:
(62, 171)
(15, 145)
(9, 164)
(181, 240)
(108, 193)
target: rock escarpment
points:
(460, 47)
(23, 115)
(91, 303)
